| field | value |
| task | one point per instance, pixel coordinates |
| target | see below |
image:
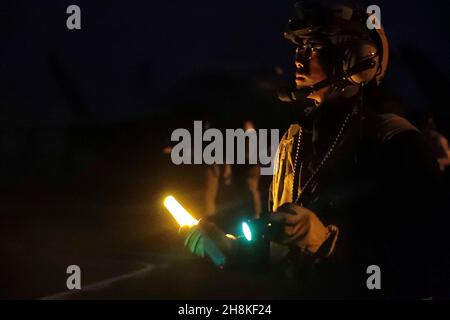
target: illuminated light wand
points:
(180, 214)
(211, 236)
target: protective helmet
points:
(360, 54)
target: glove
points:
(194, 240)
(206, 239)
(303, 229)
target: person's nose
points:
(298, 64)
(301, 64)
(301, 58)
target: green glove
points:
(194, 241)
(206, 239)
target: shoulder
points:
(396, 134)
(399, 142)
(387, 126)
(403, 147)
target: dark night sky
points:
(129, 53)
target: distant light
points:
(179, 213)
(247, 232)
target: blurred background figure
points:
(232, 191)
(438, 143)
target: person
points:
(357, 192)
(354, 188)
(438, 143)
(232, 191)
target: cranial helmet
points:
(360, 54)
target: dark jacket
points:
(382, 188)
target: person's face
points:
(312, 66)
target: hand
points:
(193, 240)
(198, 238)
(302, 228)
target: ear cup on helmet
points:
(357, 52)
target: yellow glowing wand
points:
(179, 213)
(184, 219)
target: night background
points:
(85, 116)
